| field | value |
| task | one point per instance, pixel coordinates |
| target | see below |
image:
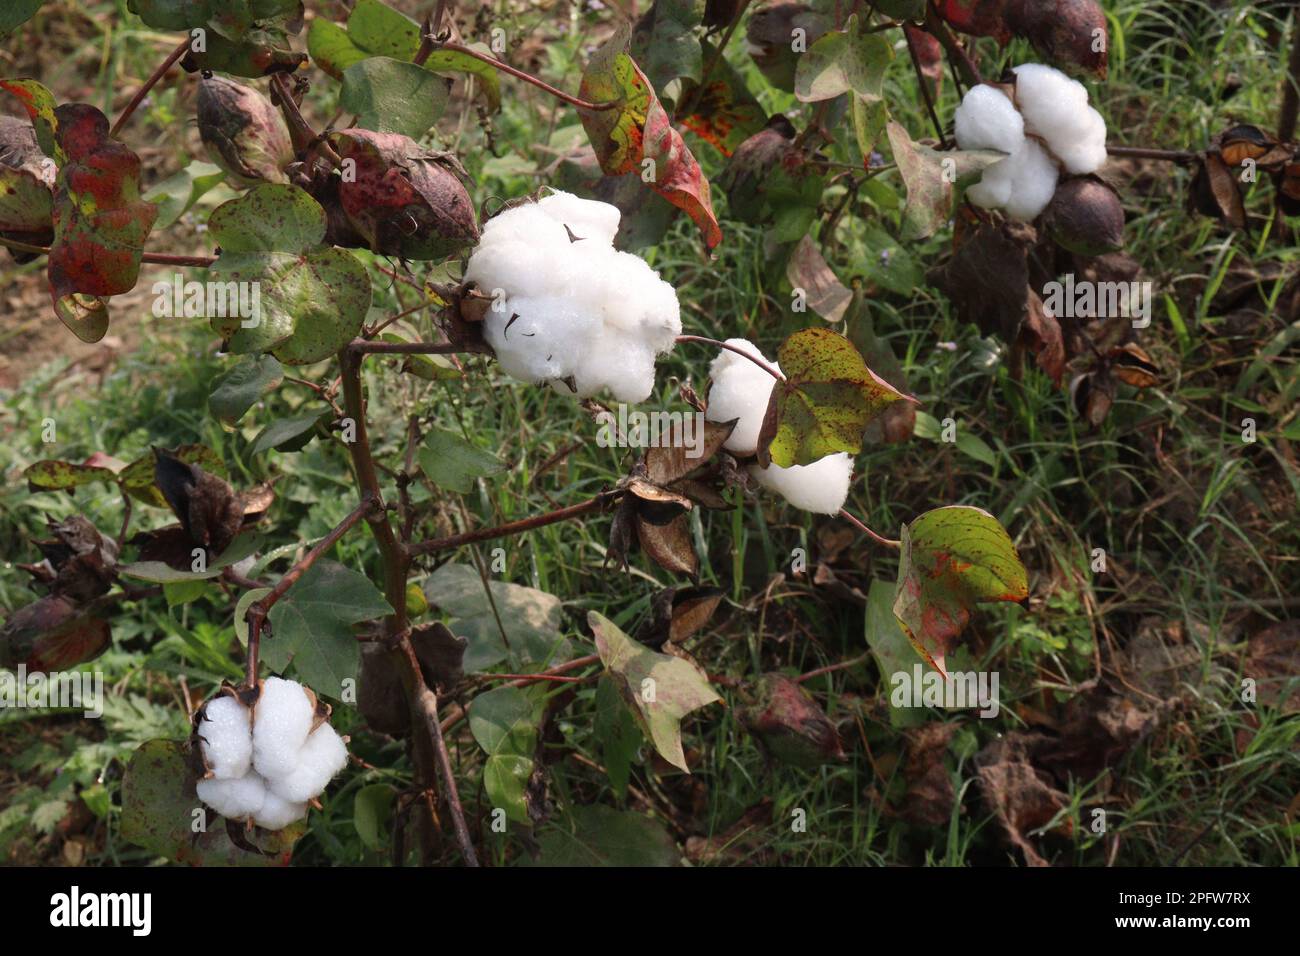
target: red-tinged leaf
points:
(723, 113)
(52, 634)
(825, 403)
(100, 220)
(639, 129)
(51, 475)
(952, 559)
(39, 104)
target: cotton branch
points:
(257, 611)
(511, 528)
(159, 72)
(509, 70)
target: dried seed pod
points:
(1092, 395)
(403, 199)
(1086, 217)
(1133, 366)
(243, 133)
(1071, 33)
(790, 724)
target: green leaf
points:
(531, 618)
(260, 52)
(930, 176)
(505, 723)
(843, 61)
(602, 836)
(238, 390)
(16, 13)
(159, 801)
(660, 689)
(183, 592)
(231, 19)
(289, 434)
(313, 297)
(181, 190)
(828, 398)
(453, 61)
(50, 475)
(392, 96)
(311, 626)
(664, 42)
(952, 558)
(618, 734)
(372, 809)
(452, 463)
(890, 647)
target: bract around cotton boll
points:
(265, 763)
(568, 308)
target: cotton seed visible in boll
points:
(821, 487)
(572, 310)
(739, 389)
(225, 734)
(282, 720)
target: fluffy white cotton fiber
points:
(267, 768)
(821, 487)
(571, 306)
(1049, 127)
(740, 389)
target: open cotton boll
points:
(276, 813)
(1033, 175)
(282, 721)
(323, 756)
(820, 487)
(574, 307)
(235, 799)
(987, 119)
(226, 736)
(1085, 152)
(740, 389)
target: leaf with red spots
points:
(638, 129)
(952, 559)
(100, 221)
(825, 403)
(723, 113)
(39, 104)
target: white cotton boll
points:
(739, 389)
(987, 119)
(820, 487)
(1047, 97)
(235, 799)
(587, 219)
(277, 813)
(574, 306)
(226, 737)
(1033, 175)
(993, 191)
(1085, 152)
(323, 756)
(282, 721)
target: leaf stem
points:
(156, 258)
(925, 88)
(520, 75)
(761, 363)
(879, 539)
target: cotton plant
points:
(265, 763)
(740, 390)
(568, 308)
(1046, 127)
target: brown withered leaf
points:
(82, 561)
(669, 545)
(441, 654)
(1273, 662)
(678, 613)
(381, 699)
(674, 459)
(930, 796)
(1022, 797)
(52, 634)
(1214, 191)
(809, 271)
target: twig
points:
(159, 72)
(1141, 152)
(257, 611)
(831, 668)
(521, 75)
(512, 527)
(157, 258)
(362, 347)
(925, 88)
